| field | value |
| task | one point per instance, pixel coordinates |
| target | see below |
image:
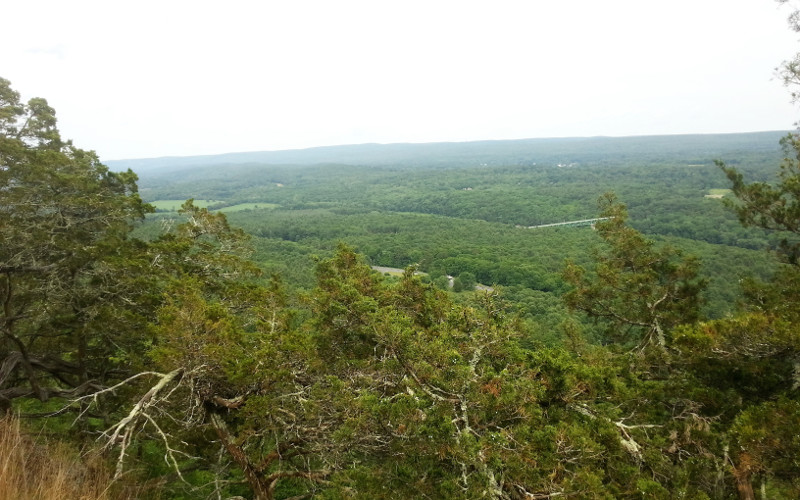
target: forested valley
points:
(214, 327)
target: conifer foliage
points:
(64, 275)
(641, 291)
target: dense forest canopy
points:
(451, 216)
(240, 343)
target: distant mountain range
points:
(521, 151)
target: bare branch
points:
(169, 454)
(122, 432)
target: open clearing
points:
(393, 271)
(175, 205)
(248, 206)
(717, 193)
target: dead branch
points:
(625, 439)
(122, 432)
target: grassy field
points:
(723, 192)
(32, 468)
(717, 193)
(247, 206)
(174, 205)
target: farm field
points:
(175, 205)
(247, 206)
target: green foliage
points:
(67, 269)
(642, 292)
(775, 208)
(744, 369)
(467, 280)
(441, 386)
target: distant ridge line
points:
(509, 151)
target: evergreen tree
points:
(67, 268)
(640, 291)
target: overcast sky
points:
(157, 78)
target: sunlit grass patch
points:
(248, 206)
(175, 205)
(53, 470)
(717, 193)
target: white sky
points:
(168, 77)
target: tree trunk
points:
(743, 474)
(258, 484)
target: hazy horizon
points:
(400, 143)
(151, 80)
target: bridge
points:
(573, 223)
